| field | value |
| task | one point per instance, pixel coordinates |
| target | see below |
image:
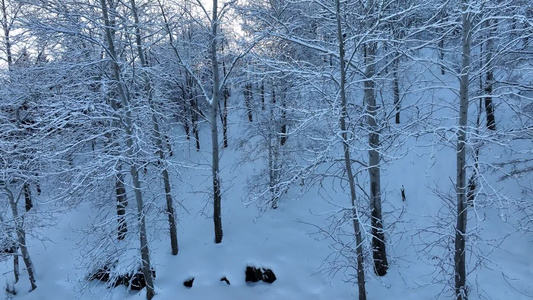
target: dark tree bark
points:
(193, 109)
(441, 55)
(396, 87)
(122, 203)
(224, 112)
(262, 94)
(27, 196)
(489, 80)
(248, 98)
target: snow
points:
(286, 239)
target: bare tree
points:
(134, 167)
(347, 159)
(461, 188)
(157, 135)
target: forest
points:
(280, 149)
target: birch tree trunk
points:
(347, 159)
(157, 136)
(378, 236)
(217, 198)
(134, 168)
(461, 188)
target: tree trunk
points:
(217, 219)
(7, 31)
(348, 161)
(21, 239)
(378, 236)
(16, 269)
(7, 42)
(273, 159)
(441, 55)
(122, 203)
(225, 117)
(224, 114)
(27, 196)
(461, 189)
(396, 86)
(489, 80)
(158, 138)
(283, 129)
(248, 98)
(262, 94)
(193, 107)
(127, 124)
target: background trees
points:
(95, 96)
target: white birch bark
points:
(461, 188)
(217, 219)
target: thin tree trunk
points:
(224, 114)
(122, 203)
(378, 236)
(283, 129)
(7, 32)
(248, 98)
(21, 238)
(262, 94)
(27, 196)
(120, 188)
(273, 155)
(217, 218)
(145, 254)
(157, 135)
(7, 42)
(14, 251)
(193, 106)
(396, 87)
(441, 54)
(348, 161)
(16, 267)
(461, 189)
(489, 80)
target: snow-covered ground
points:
(287, 239)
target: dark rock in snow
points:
(254, 274)
(134, 280)
(188, 282)
(268, 276)
(225, 280)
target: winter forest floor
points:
(289, 240)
